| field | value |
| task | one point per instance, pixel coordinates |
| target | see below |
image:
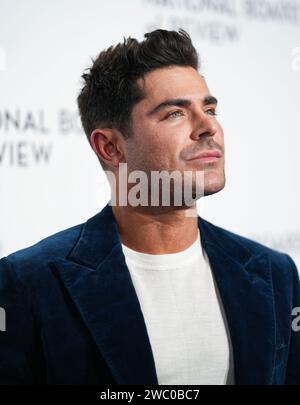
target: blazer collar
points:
(98, 280)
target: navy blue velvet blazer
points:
(73, 317)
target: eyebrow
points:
(181, 102)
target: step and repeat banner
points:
(250, 56)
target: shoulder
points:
(31, 260)
(244, 248)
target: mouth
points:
(210, 156)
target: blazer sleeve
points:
(17, 337)
(293, 367)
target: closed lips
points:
(213, 153)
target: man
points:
(150, 293)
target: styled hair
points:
(110, 87)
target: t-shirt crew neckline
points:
(168, 260)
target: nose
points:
(203, 125)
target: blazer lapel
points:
(245, 286)
(98, 281)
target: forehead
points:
(172, 82)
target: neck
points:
(157, 230)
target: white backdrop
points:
(250, 53)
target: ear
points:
(108, 144)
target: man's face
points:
(170, 137)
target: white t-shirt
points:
(184, 316)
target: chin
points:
(212, 186)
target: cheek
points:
(158, 147)
(158, 144)
(147, 152)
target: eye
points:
(172, 114)
(212, 111)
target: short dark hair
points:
(110, 87)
